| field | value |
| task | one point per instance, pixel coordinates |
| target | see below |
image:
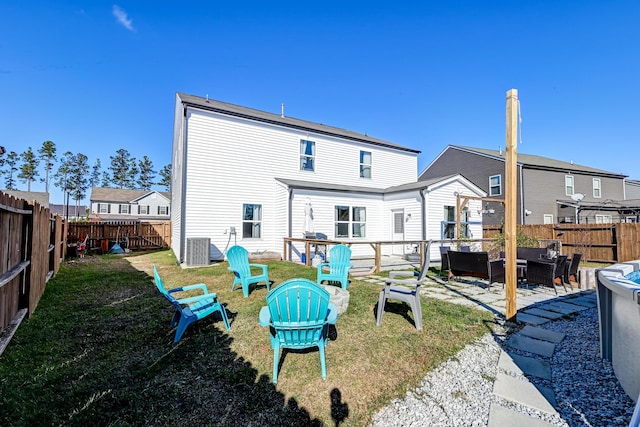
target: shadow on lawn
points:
(113, 362)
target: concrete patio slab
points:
(586, 302)
(555, 306)
(531, 345)
(552, 315)
(503, 417)
(523, 365)
(525, 393)
(542, 334)
(573, 307)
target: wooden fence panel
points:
(129, 234)
(597, 242)
(11, 224)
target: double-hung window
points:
(307, 155)
(495, 185)
(125, 209)
(163, 210)
(103, 208)
(350, 221)
(597, 190)
(365, 164)
(143, 210)
(603, 219)
(251, 221)
(449, 223)
(568, 185)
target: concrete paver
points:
(574, 307)
(503, 417)
(552, 315)
(531, 345)
(530, 319)
(525, 393)
(524, 365)
(542, 334)
(556, 306)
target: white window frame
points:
(124, 209)
(251, 221)
(494, 186)
(597, 188)
(163, 210)
(350, 221)
(569, 185)
(631, 219)
(307, 155)
(604, 219)
(547, 219)
(143, 209)
(365, 164)
(103, 208)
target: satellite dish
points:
(577, 197)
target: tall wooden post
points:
(510, 217)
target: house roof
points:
(262, 116)
(41, 197)
(62, 210)
(358, 189)
(539, 162)
(100, 194)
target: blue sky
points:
(96, 76)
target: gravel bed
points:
(460, 391)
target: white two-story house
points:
(248, 177)
(115, 204)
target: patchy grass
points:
(98, 351)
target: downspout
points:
(289, 220)
(521, 189)
(423, 213)
(183, 201)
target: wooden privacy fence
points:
(32, 244)
(597, 242)
(128, 234)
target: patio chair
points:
(547, 272)
(243, 271)
(190, 309)
(298, 313)
(339, 265)
(395, 289)
(444, 261)
(571, 272)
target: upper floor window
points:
(125, 209)
(103, 208)
(596, 188)
(350, 221)
(307, 155)
(163, 210)
(568, 185)
(495, 185)
(251, 221)
(143, 210)
(365, 164)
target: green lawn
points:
(98, 351)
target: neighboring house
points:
(110, 204)
(631, 189)
(549, 191)
(72, 211)
(41, 197)
(243, 176)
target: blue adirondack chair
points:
(298, 313)
(339, 265)
(190, 309)
(238, 258)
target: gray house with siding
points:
(549, 191)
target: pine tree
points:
(63, 174)
(132, 174)
(95, 174)
(12, 167)
(120, 168)
(79, 178)
(48, 155)
(29, 168)
(165, 175)
(147, 174)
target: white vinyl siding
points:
(597, 188)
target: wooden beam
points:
(511, 205)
